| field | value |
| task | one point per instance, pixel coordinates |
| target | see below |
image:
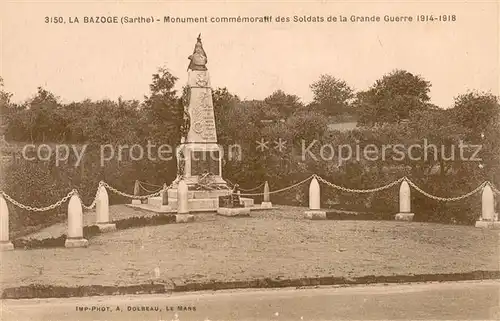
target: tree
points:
(39, 119)
(281, 105)
(331, 95)
(306, 127)
(4, 106)
(224, 106)
(104, 122)
(164, 110)
(477, 112)
(4, 96)
(393, 98)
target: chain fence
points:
(278, 190)
(142, 197)
(493, 188)
(319, 178)
(352, 190)
(94, 201)
(447, 199)
(39, 209)
(149, 184)
(253, 189)
(231, 184)
(148, 190)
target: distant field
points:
(276, 244)
(342, 126)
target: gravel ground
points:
(276, 244)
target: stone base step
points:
(197, 204)
(172, 193)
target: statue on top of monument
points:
(199, 57)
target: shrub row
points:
(139, 221)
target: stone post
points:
(238, 192)
(488, 217)
(137, 191)
(164, 195)
(315, 212)
(405, 213)
(183, 215)
(266, 203)
(164, 207)
(75, 223)
(182, 198)
(5, 243)
(102, 211)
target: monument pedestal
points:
(198, 201)
(201, 164)
(199, 157)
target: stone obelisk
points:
(199, 157)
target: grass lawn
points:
(275, 244)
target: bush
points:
(40, 183)
(139, 221)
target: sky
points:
(97, 61)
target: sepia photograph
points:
(248, 160)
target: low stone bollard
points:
(182, 198)
(164, 199)
(5, 243)
(488, 218)
(164, 195)
(314, 212)
(405, 213)
(75, 223)
(137, 192)
(102, 211)
(266, 203)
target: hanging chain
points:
(147, 190)
(447, 199)
(252, 189)
(352, 190)
(319, 178)
(278, 190)
(493, 188)
(111, 188)
(231, 184)
(92, 205)
(149, 184)
(39, 209)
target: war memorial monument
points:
(199, 157)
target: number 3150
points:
(54, 20)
